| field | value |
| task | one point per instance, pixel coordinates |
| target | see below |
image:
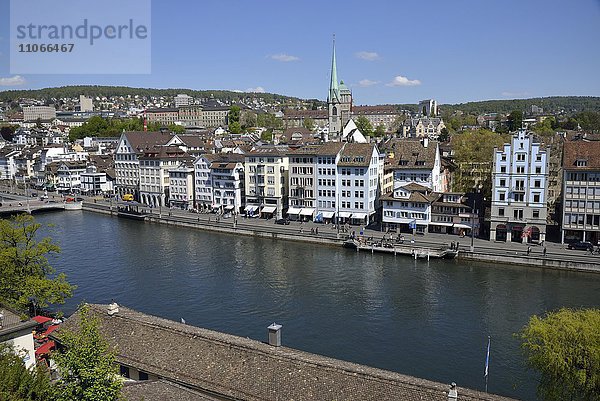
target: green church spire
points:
(334, 90)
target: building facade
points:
(32, 113)
(519, 187)
(303, 183)
(266, 181)
(181, 185)
(581, 192)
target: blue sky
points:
(387, 51)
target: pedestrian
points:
(312, 230)
(528, 250)
(544, 253)
(301, 230)
(317, 230)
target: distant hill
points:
(48, 94)
(554, 104)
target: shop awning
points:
(294, 210)
(344, 215)
(439, 223)
(268, 209)
(50, 329)
(359, 216)
(458, 225)
(328, 215)
(229, 207)
(46, 348)
(41, 319)
(307, 212)
(251, 208)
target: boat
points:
(72, 204)
(399, 248)
(132, 210)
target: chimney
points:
(453, 393)
(113, 309)
(275, 334)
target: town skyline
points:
(504, 60)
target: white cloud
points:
(284, 57)
(399, 80)
(363, 83)
(12, 81)
(515, 94)
(258, 89)
(369, 56)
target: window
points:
(502, 196)
(502, 182)
(124, 371)
(520, 157)
(538, 170)
(503, 157)
(518, 214)
(520, 169)
(536, 214)
(503, 169)
(537, 183)
(143, 375)
(536, 198)
(501, 212)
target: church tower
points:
(339, 102)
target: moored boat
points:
(73, 204)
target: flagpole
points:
(487, 363)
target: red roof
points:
(46, 348)
(41, 319)
(51, 329)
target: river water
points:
(426, 319)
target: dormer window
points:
(581, 163)
(420, 163)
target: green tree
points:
(379, 131)
(235, 127)
(25, 274)
(398, 122)
(545, 128)
(515, 120)
(234, 114)
(564, 347)
(86, 366)
(444, 135)
(266, 136)
(364, 125)
(17, 383)
(308, 123)
(248, 120)
(177, 129)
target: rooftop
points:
(233, 367)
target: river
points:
(426, 319)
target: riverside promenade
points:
(557, 255)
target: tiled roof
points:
(314, 114)
(141, 140)
(161, 390)
(12, 322)
(410, 154)
(166, 152)
(240, 368)
(268, 150)
(330, 148)
(375, 110)
(356, 155)
(588, 151)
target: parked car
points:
(282, 222)
(581, 246)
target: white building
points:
(415, 161)
(428, 108)
(519, 187)
(227, 176)
(357, 181)
(85, 104)
(181, 185)
(130, 147)
(155, 164)
(94, 182)
(408, 208)
(18, 333)
(69, 176)
(203, 182)
(266, 181)
(328, 156)
(183, 100)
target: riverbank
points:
(484, 251)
